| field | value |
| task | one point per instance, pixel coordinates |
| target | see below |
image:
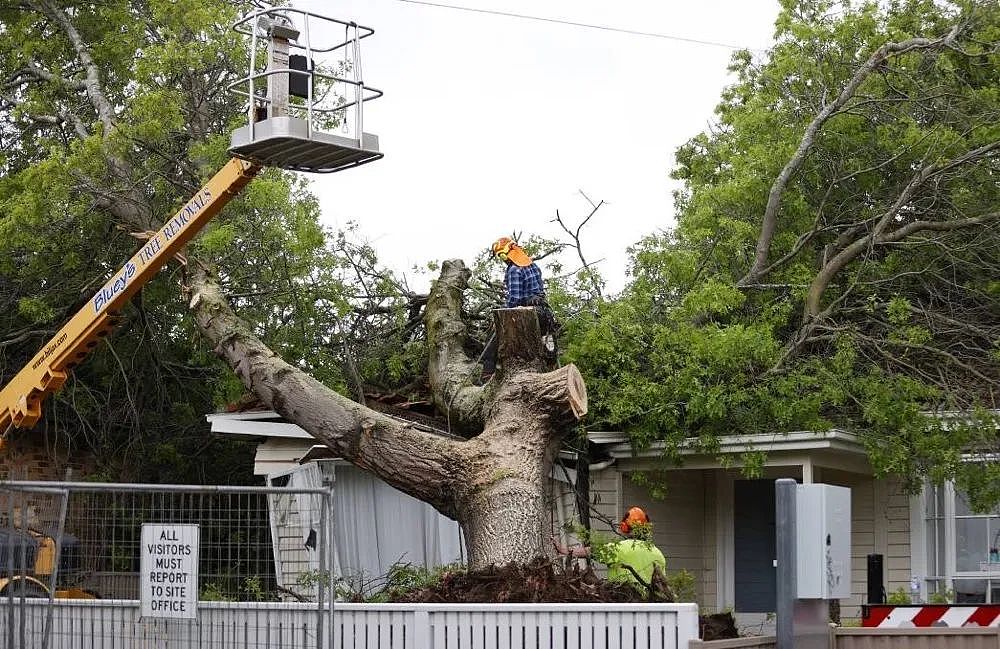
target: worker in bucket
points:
(523, 282)
(630, 560)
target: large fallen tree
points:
(493, 483)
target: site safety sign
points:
(169, 571)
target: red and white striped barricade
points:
(923, 615)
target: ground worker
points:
(523, 281)
(632, 557)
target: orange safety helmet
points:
(634, 516)
(506, 249)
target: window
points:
(963, 547)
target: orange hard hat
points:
(634, 516)
(506, 249)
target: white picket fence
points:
(515, 626)
(116, 624)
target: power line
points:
(571, 23)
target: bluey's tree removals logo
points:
(112, 289)
(181, 219)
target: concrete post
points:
(800, 623)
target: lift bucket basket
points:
(304, 82)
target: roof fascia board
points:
(241, 416)
(259, 429)
(794, 441)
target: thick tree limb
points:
(416, 462)
(450, 370)
(41, 74)
(851, 252)
(493, 484)
(92, 82)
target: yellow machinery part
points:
(18, 582)
(45, 559)
(74, 593)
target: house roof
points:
(618, 446)
(255, 423)
(834, 449)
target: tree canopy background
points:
(866, 141)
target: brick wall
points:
(31, 455)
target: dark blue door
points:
(754, 544)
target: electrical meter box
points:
(823, 543)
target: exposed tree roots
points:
(541, 581)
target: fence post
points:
(687, 624)
(420, 626)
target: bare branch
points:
(770, 218)
(574, 234)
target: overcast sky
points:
(491, 123)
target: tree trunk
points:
(492, 483)
(503, 521)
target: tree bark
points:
(494, 483)
(449, 369)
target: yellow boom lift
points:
(289, 97)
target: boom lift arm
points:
(21, 399)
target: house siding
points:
(687, 526)
(604, 497)
(280, 454)
(292, 559)
(679, 522)
(603, 501)
(709, 571)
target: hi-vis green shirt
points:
(641, 555)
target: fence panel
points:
(74, 560)
(514, 626)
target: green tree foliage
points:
(836, 254)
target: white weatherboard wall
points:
(105, 623)
(683, 524)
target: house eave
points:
(618, 447)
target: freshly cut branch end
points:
(576, 392)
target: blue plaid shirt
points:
(522, 283)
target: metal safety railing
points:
(315, 103)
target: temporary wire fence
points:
(102, 565)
